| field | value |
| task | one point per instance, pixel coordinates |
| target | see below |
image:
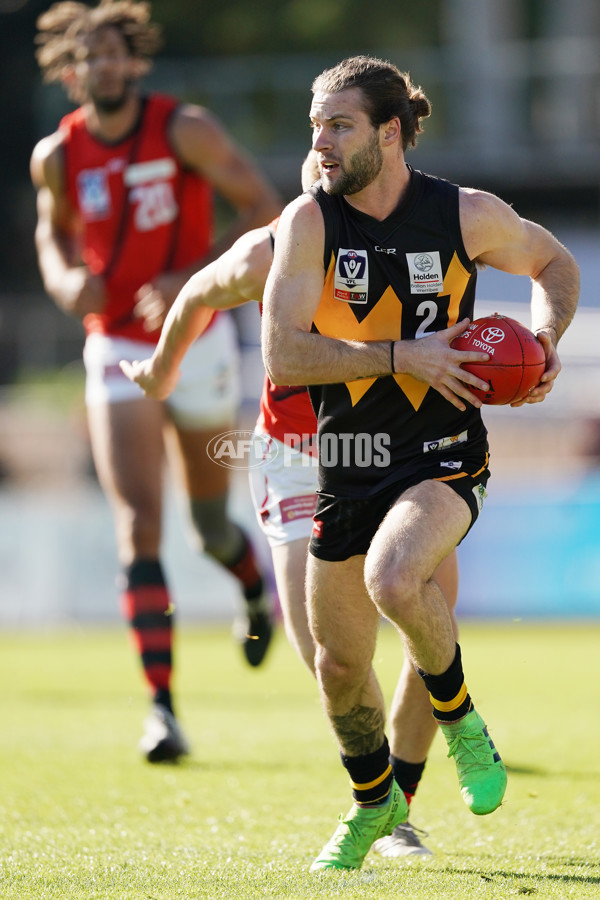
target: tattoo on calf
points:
(361, 730)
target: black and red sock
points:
(244, 568)
(407, 775)
(146, 604)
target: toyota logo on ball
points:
(492, 335)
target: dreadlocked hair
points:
(65, 23)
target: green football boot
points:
(356, 833)
(481, 772)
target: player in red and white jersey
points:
(125, 216)
(284, 489)
(283, 485)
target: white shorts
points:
(283, 490)
(207, 394)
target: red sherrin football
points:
(517, 360)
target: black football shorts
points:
(345, 526)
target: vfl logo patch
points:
(93, 194)
(351, 279)
(425, 272)
(443, 443)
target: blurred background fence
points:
(515, 88)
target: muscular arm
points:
(234, 278)
(70, 284)
(294, 355)
(496, 236)
(204, 146)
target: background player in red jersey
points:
(283, 489)
(124, 217)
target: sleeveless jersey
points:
(400, 279)
(286, 413)
(141, 211)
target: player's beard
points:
(114, 103)
(362, 168)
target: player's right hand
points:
(153, 383)
(81, 292)
(431, 359)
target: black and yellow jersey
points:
(398, 279)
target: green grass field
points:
(81, 816)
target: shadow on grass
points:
(222, 765)
(535, 879)
(539, 772)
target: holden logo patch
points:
(351, 279)
(425, 272)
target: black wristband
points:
(392, 356)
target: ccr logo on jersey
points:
(351, 279)
(425, 272)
